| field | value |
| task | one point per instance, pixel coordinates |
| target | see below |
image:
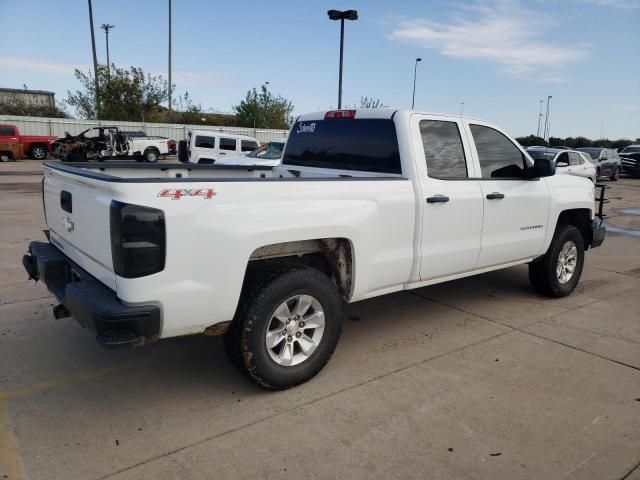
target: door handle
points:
(437, 199)
(495, 196)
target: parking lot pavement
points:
(477, 378)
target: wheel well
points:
(579, 218)
(333, 256)
(37, 144)
(151, 149)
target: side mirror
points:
(542, 167)
(562, 164)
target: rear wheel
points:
(151, 156)
(286, 328)
(38, 152)
(557, 273)
(6, 156)
(616, 175)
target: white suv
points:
(206, 146)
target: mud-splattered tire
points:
(264, 294)
(557, 273)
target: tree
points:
(124, 94)
(263, 110)
(366, 102)
(531, 140)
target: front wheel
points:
(616, 175)
(286, 328)
(557, 273)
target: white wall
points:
(58, 126)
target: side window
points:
(227, 144)
(205, 142)
(563, 160)
(575, 159)
(6, 131)
(248, 145)
(443, 149)
(499, 157)
(604, 154)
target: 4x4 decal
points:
(178, 193)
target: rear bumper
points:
(598, 232)
(90, 302)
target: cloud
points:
(40, 66)
(615, 3)
(503, 33)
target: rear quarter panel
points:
(210, 241)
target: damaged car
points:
(100, 143)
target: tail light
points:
(138, 239)
(340, 114)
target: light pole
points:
(546, 121)
(415, 72)
(106, 27)
(170, 86)
(342, 16)
(539, 119)
(95, 60)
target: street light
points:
(95, 61)
(539, 119)
(415, 71)
(342, 16)
(546, 122)
(170, 86)
(106, 27)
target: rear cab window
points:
(366, 145)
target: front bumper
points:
(598, 232)
(90, 302)
(631, 167)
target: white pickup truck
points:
(365, 202)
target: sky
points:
(499, 57)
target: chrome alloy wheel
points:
(295, 330)
(567, 260)
(39, 153)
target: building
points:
(32, 97)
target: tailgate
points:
(77, 214)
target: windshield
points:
(631, 150)
(270, 151)
(594, 152)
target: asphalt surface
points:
(478, 378)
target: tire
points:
(597, 174)
(545, 274)
(38, 152)
(183, 156)
(6, 157)
(151, 156)
(264, 295)
(616, 175)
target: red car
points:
(36, 146)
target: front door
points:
(451, 199)
(516, 209)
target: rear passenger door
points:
(516, 209)
(451, 198)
